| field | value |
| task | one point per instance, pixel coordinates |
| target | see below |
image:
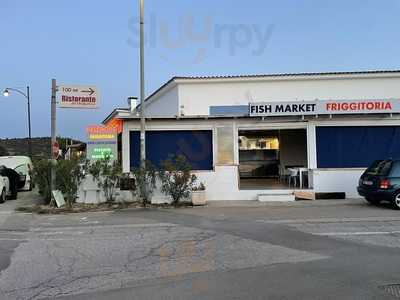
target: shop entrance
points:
(273, 159)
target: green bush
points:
(42, 178)
(68, 178)
(176, 178)
(107, 175)
(145, 181)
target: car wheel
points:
(372, 201)
(3, 196)
(14, 195)
(396, 202)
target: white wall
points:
(197, 97)
(338, 180)
(166, 105)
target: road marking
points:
(357, 233)
(331, 220)
(146, 225)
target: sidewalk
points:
(24, 199)
(301, 203)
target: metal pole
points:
(29, 121)
(53, 131)
(142, 91)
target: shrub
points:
(200, 187)
(68, 178)
(107, 175)
(145, 182)
(176, 178)
(42, 178)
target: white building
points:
(245, 135)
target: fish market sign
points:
(324, 107)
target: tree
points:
(145, 181)
(42, 177)
(107, 175)
(176, 178)
(3, 151)
(69, 176)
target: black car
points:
(381, 182)
(14, 178)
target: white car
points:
(4, 188)
(23, 166)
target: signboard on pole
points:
(75, 96)
(56, 150)
(324, 107)
(102, 142)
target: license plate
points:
(366, 182)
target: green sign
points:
(102, 143)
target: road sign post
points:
(70, 96)
(53, 131)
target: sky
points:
(95, 42)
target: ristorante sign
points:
(324, 107)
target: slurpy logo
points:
(182, 33)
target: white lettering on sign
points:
(78, 97)
(324, 107)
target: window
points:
(195, 145)
(225, 144)
(356, 147)
(22, 169)
(395, 169)
(380, 168)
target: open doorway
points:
(273, 159)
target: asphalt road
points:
(302, 250)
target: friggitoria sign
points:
(324, 107)
(74, 96)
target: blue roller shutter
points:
(196, 146)
(356, 147)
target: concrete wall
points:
(337, 180)
(194, 98)
(222, 183)
(166, 105)
(197, 97)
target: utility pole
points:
(142, 91)
(29, 121)
(53, 131)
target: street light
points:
(6, 93)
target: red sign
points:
(116, 123)
(56, 150)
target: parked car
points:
(9, 183)
(381, 182)
(23, 166)
(4, 188)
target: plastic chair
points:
(283, 174)
(293, 175)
